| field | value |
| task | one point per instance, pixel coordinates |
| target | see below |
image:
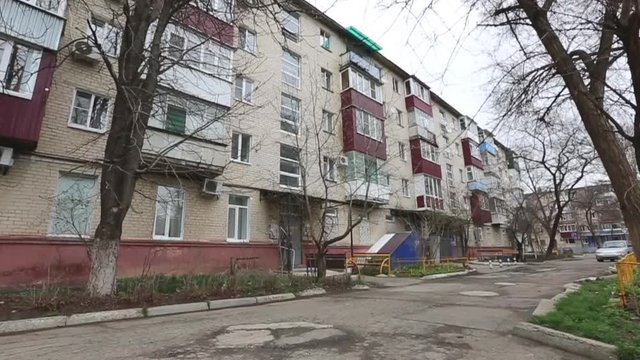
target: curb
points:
(51, 322)
(442, 276)
(312, 292)
(546, 306)
(588, 348)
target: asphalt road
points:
(457, 318)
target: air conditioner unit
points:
(84, 51)
(212, 187)
(343, 161)
(6, 156)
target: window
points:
(238, 219)
(244, 90)
(325, 40)
(18, 68)
(458, 152)
(222, 9)
(414, 88)
(290, 25)
(290, 68)
(433, 187)
(169, 213)
(197, 52)
(463, 123)
(289, 114)
(477, 233)
(450, 176)
(248, 41)
(475, 150)
(395, 85)
(327, 121)
(74, 202)
(405, 187)
(461, 175)
(176, 118)
(368, 125)
(106, 35)
(364, 167)
(49, 5)
(453, 201)
(423, 119)
(402, 151)
(363, 84)
(289, 166)
(400, 117)
(470, 173)
(89, 111)
(484, 202)
(428, 151)
(326, 78)
(330, 219)
(240, 147)
(329, 168)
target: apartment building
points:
(591, 217)
(256, 113)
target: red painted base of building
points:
(29, 260)
(489, 252)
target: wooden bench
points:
(333, 261)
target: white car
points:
(613, 250)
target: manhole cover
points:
(479, 293)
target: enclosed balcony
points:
(351, 58)
(35, 22)
(477, 185)
(370, 192)
(498, 219)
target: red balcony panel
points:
(478, 215)
(470, 160)
(21, 119)
(358, 142)
(208, 24)
(413, 101)
(420, 165)
(420, 202)
(430, 202)
(351, 97)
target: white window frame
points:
(286, 73)
(237, 216)
(295, 162)
(458, 151)
(402, 151)
(429, 152)
(59, 11)
(450, 180)
(86, 127)
(395, 85)
(369, 125)
(293, 110)
(330, 168)
(400, 117)
(472, 174)
(293, 18)
(433, 187)
(328, 122)
(244, 36)
(167, 219)
(475, 150)
(327, 78)
(405, 188)
(92, 205)
(247, 88)
(325, 39)
(242, 141)
(105, 32)
(362, 84)
(32, 65)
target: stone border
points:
(442, 276)
(51, 322)
(588, 348)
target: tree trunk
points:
(104, 259)
(321, 264)
(551, 247)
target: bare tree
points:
(594, 203)
(582, 55)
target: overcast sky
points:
(444, 48)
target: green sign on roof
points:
(364, 39)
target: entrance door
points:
(291, 222)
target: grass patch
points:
(154, 290)
(418, 270)
(589, 314)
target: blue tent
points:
(403, 248)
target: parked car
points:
(613, 250)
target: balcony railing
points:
(190, 153)
(33, 24)
(421, 131)
(488, 147)
(360, 190)
(498, 219)
(362, 63)
(477, 185)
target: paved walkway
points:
(456, 318)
